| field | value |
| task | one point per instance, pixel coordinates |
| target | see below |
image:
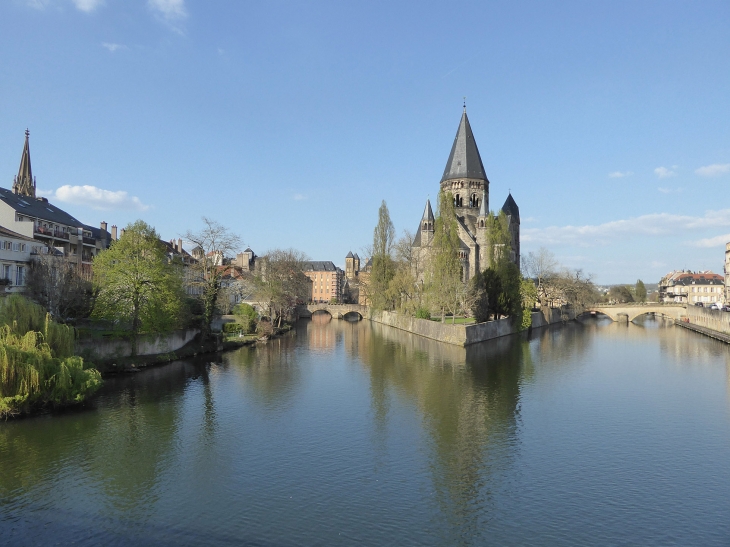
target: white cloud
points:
(169, 9)
(620, 174)
(714, 170)
(717, 241)
(657, 224)
(98, 198)
(663, 172)
(87, 5)
(299, 197)
(113, 47)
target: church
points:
(467, 181)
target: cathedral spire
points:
(427, 213)
(464, 160)
(24, 183)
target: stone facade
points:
(464, 177)
(686, 287)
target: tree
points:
(383, 268)
(445, 280)
(480, 300)
(640, 291)
(137, 287)
(281, 282)
(499, 239)
(215, 242)
(620, 293)
(404, 290)
(542, 267)
(60, 287)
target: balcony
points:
(50, 232)
(89, 240)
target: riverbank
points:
(465, 335)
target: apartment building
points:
(328, 281)
(686, 287)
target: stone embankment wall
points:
(95, 349)
(464, 335)
(711, 319)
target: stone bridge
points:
(627, 312)
(337, 311)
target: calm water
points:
(357, 434)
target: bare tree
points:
(60, 287)
(542, 268)
(214, 243)
(281, 282)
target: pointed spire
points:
(464, 160)
(510, 208)
(427, 213)
(24, 184)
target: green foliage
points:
(499, 239)
(620, 293)
(233, 328)
(137, 288)
(383, 267)
(479, 298)
(446, 287)
(247, 317)
(640, 291)
(423, 313)
(36, 361)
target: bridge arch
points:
(633, 312)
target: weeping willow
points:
(37, 365)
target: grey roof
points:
(349, 255)
(464, 160)
(356, 257)
(319, 266)
(39, 208)
(483, 209)
(510, 208)
(248, 250)
(417, 237)
(427, 212)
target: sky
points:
(290, 122)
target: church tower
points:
(513, 217)
(24, 183)
(464, 175)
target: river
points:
(595, 433)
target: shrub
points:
(246, 316)
(233, 328)
(423, 313)
(37, 365)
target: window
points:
(16, 247)
(6, 272)
(20, 275)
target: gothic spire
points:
(427, 213)
(464, 160)
(24, 184)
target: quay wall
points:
(95, 349)
(464, 335)
(711, 319)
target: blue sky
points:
(289, 122)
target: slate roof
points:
(356, 257)
(510, 208)
(319, 266)
(428, 212)
(39, 208)
(464, 160)
(349, 255)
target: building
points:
(727, 272)
(16, 252)
(22, 212)
(328, 281)
(465, 178)
(686, 287)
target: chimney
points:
(121, 234)
(103, 228)
(114, 232)
(179, 245)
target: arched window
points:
(458, 201)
